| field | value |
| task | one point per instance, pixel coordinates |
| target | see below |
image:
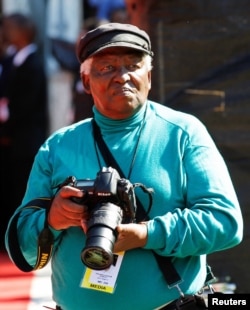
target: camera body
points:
(108, 187)
(110, 201)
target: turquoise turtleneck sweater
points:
(195, 210)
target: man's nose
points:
(122, 74)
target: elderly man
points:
(194, 211)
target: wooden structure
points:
(202, 66)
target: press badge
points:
(103, 280)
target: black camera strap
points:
(45, 239)
(164, 262)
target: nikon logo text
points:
(43, 260)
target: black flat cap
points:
(113, 34)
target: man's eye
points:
(133, 67)
(107, 68)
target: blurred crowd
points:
(105, 10)
(23, 108)
(24, 99)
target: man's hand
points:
(64, 212)
(130, 236)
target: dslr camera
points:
(110, 201)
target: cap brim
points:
(121, 44)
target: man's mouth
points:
(123, 91)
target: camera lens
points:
(97, 253)
(97, 258)
(101, 236)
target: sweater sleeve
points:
(31, 220)
(210, 220)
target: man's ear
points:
(149, 79)
(85, 82)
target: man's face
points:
(119, 81)
(12, 31)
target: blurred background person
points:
(104, 8)
(25, 123)
(82, 101)
(5, 64)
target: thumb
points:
(84, 225)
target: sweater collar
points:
(107, 124)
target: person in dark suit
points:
(26, 93)
(5, 65)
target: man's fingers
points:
(64, 212)
(68, 192)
